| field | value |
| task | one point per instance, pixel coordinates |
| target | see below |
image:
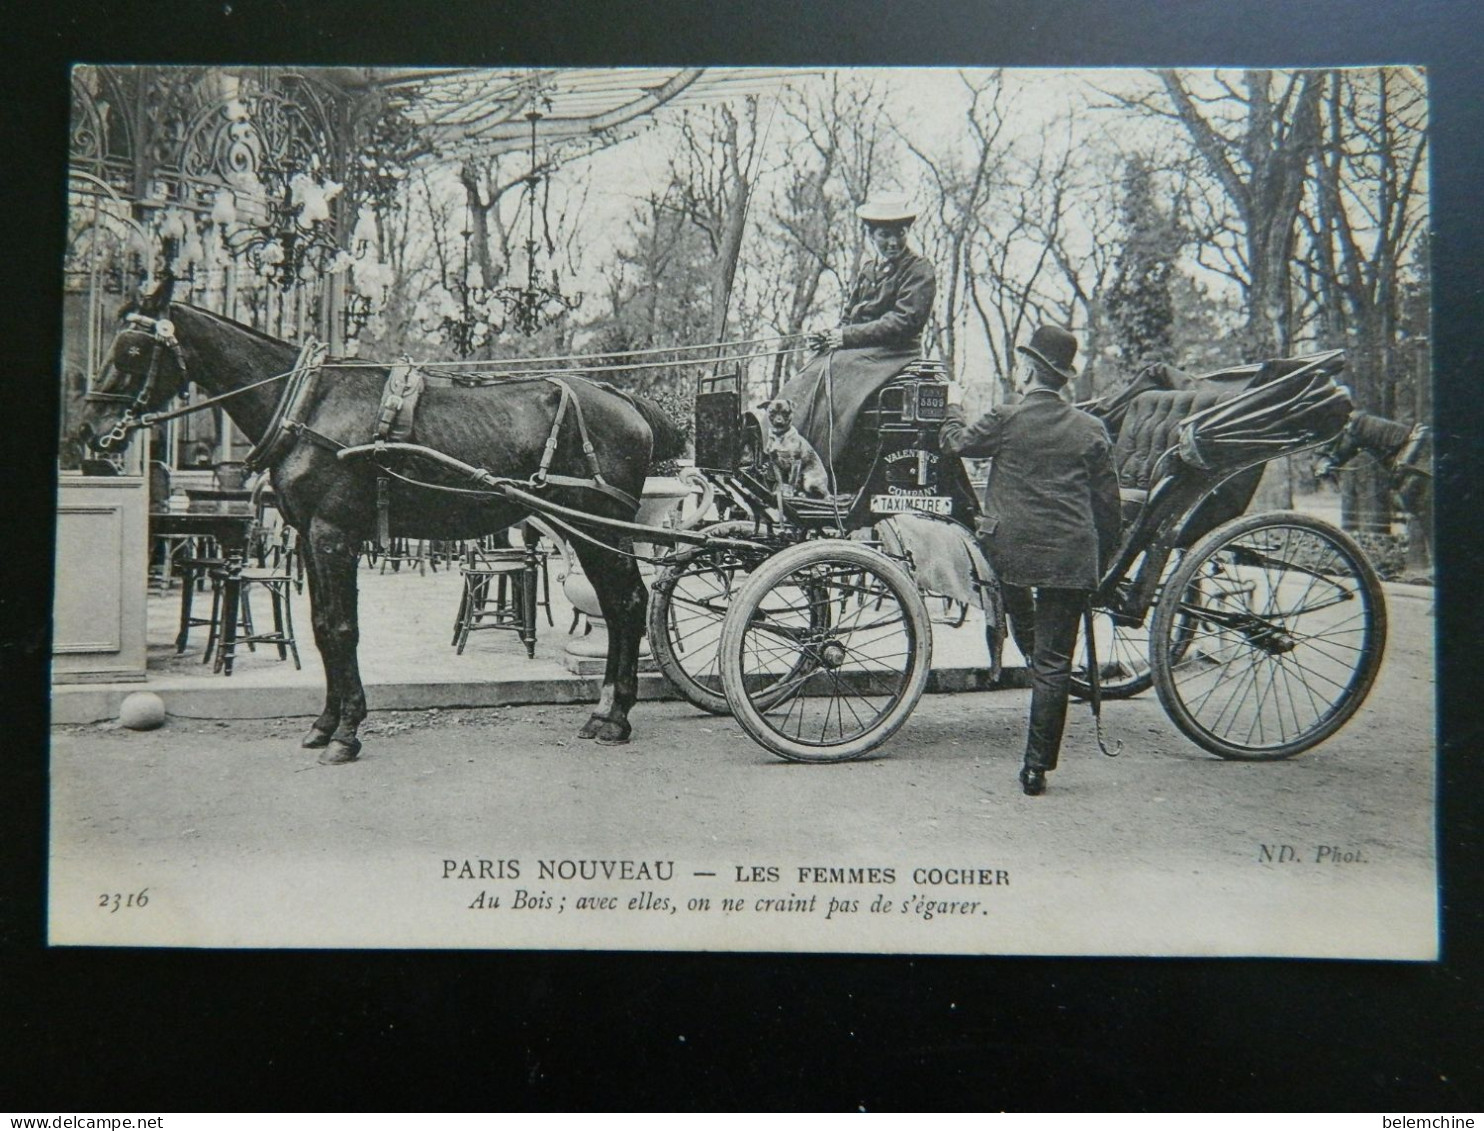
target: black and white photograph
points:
(874, 509)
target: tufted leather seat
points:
(1151, 427)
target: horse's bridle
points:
(160, 332)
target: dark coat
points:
(890, 304)
(856, 375)
(1051, 511)
(882, 330)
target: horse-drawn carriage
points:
(1262, 633)
(804, 617)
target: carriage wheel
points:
(1286, 624)
(1124, 669)
(838, 637)
(687, 603)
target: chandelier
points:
(540, 302)
(281, 225)
(467, 326)
(371, 279)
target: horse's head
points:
(143, 371)
(1336, 454)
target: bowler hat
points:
(887, 208)
(1055, 347)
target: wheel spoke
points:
(843, 637)
(1283, 626)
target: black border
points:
(178, 1030)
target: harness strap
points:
(588, 451)
(319, 439)
(397, 412)
(556, 426)
(1411, 455)
(383, 513)
(283, 428)
(595, 484)
(480, 475)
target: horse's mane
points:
(242, 327)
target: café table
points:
(232, 533)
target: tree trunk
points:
(727, 253)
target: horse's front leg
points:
(323, 727)
(620, 589)
(337, 631)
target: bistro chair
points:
(411, 551)
(276, 582)
(501, 590)
(195, 568)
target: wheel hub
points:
(832, 654)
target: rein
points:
(162, 331)
(285, 427)
(150, 418)
(520, 491)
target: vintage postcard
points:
(757, 509)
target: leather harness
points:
(395, 419)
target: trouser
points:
(1044, 624)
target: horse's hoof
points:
(591, 727)
(338, 752)
(614, 734)
(316, 738)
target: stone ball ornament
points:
(143, 710)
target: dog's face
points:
(781, 415)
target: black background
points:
(181, 1030)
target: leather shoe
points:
(1033, 781)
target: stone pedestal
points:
(101, 579)
(588, 655)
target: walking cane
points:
(1095, 682)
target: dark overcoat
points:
(1051, 511)
(882, 330)
(890, 304)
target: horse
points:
(332, 502)
(1404, 452)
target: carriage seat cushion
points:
(1150, 428)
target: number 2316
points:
(112, 902)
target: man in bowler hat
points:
(1050, 523)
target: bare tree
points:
(834, 145)
(964, 180)
(1370, 214)
(1040, 250)
(711, 177)
(1256, 137)
(486, 184)
(1364, 230)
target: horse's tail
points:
(669, 437)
